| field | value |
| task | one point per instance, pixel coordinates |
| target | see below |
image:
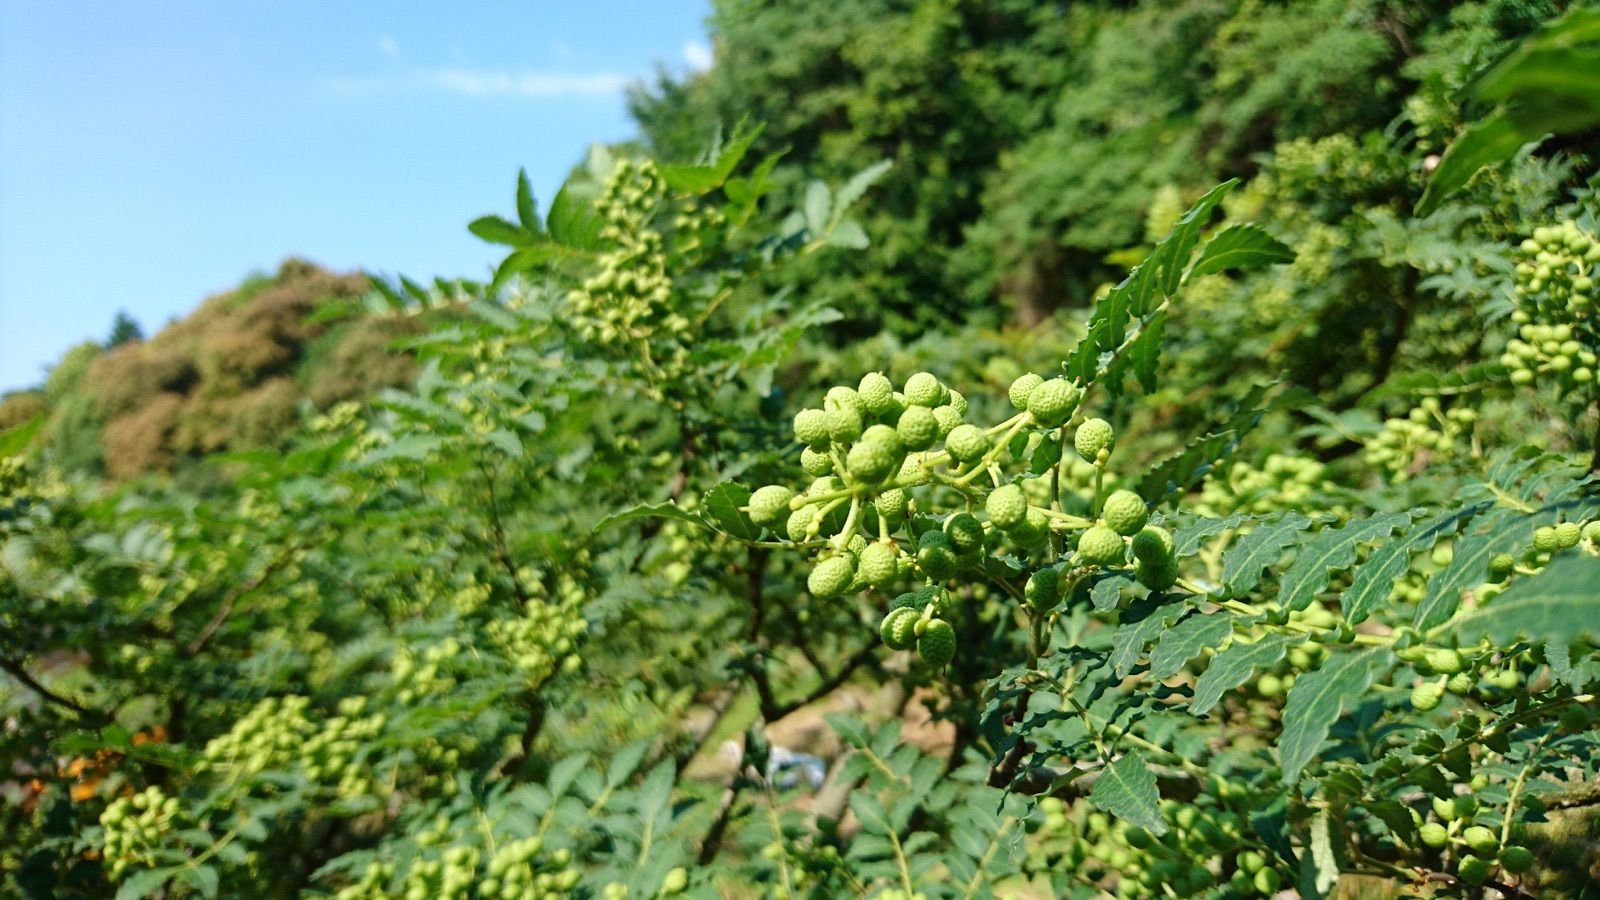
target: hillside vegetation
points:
(960, 450)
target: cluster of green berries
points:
(1476, 848)
(1555, 310)
(813, 864)
(1547, 541)
(1549, 353)
(543, 640)
(134, 828)
(913, 622)
(628, 297)
(514, 870)
(1281, 481)
(277, 734)
(429, 677)
(1426, 435)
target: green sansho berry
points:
(935, 556)
(1157, 575)
(1472, 870)
(811, 427)
(937, 644)
(898, 630)
(871, 461)
(877, 394)
(885, 435)
(878, 564)
(1591, 532)
(1043, 590)
(1481, 840)
(965, 533)
(1501, 567)
(919, 599)
(1125, 512)
(844, 423)
(1007, 507)
(1153, 544)
(1434, 835)
(1516, 860)
(1052, 402)
(967, 443)
(1092, 437)
(1545, 540)
(1101, 546)
(830, 577)
(842, 396)
(1022, 388)
(891, 504)
(957, 402)
(798, 528)
(770, 504)
(1460, 684)
(816, 464)
(918, 428)
(1568, 534)
(946, 418)
(923, 389)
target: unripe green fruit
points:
(1545, 540)
(844, 423)
(918, 428)
(877, 394)
(891, 504)
(1269, 686)
(1125, 512)
(1153, 544)
(1158, 575)
(1574, 719)
(1464, 806)
(878, 564)
(1022, 388)
(1591, 531)
(770, 505)
(1501, 567)
(967, 443)
(947, 419)
(1460, 684)
(811, 427)
(830, 577)
(1434, 835)
(1472, 870)
(1568, 534)
(1516, 860)
(1481, 841)
(839, 395)
(919, 599)
(934, 555)
(898, 630)
(1052, 402)
(885, 435)
(957, 402)
(1092, 437)
(816, 464)
(871, 462)
(1267, 881)
(923, 389)
(937, 644)
(1034, 532)
(1007, 507)
(1043, 590)
(1101, 546)
(1444, 660)
(965, 533)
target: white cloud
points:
(697, 55)
(387, 46)
(528, 84)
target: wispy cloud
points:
(528, 84)
(697, 55)
(388, 46)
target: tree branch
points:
(238, 592)
(15, 670)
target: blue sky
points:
(154, 153)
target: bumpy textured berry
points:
(935, 556)
(917, 428)
(1481, 841)
(1092, 437)
(1434, 835)
(1545, 540)
(967, 443)
(1153, 544)
(871, 461)
(1472, 870)
(1125, 512)
(770, 505)
(1444, 660)
(811, 427)
(898, 630)
(1516, 860)
(844, 423)
(1157, 575)
(1568, 534)
(920, 598)
(965, 533)
(946, 419)
(937, 644)
(1501, 567)
(878, 564)
(839, 395)
(816, 464)
(1460, 684)
(1043, 590)
(922, 389)
(1591, 532)
(1100, 546)
(1022, 388)
(830, 577)
(1052, 402)
(799, 524)
(1007, 507)
(891, 504)
(1034, 532)
(877, 394)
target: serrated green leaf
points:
(1179, 473)
(1185, 640)
(1240, 247)
(1130, 639)
(1319, 698)
(1250, 556)
(202, 878)
(722, 507)
(496, 230)
(142, 883)
(664, 510)
(1374, 579)
(870, 812)
(527, 209)
(1332, 550)
(1127, 789)
(1235, 665)
(1188, 538)
(1558, 606)
(1484, 143)
(573, 221)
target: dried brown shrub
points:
(361, 361)
(20, 407)
(140, 441)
